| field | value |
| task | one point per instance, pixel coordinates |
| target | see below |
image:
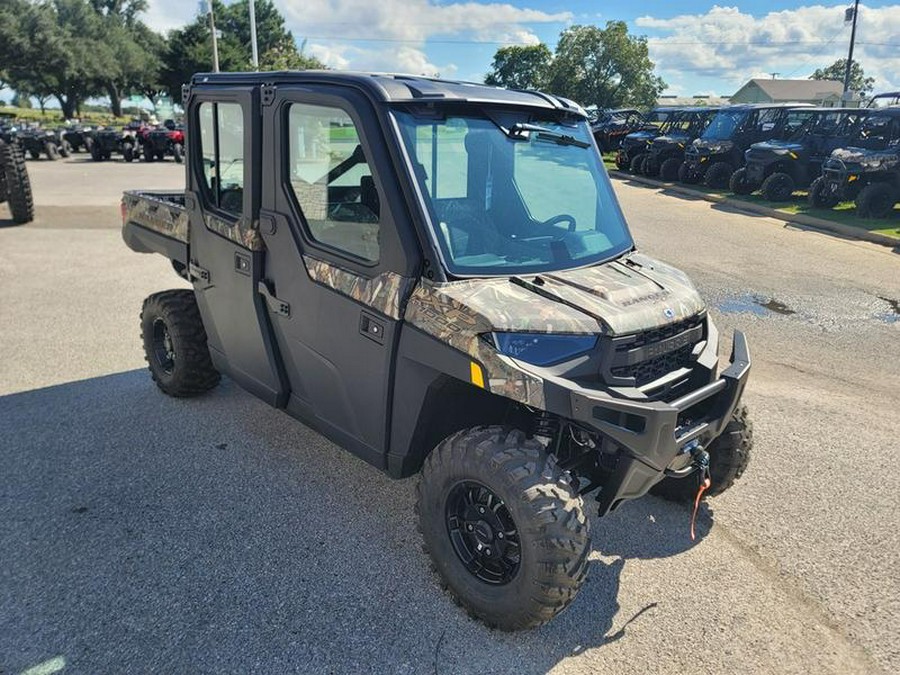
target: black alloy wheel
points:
(163, 348)
(483, 533)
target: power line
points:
(824, 43)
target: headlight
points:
(720, 148)
(542, 349)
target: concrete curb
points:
(793, 218)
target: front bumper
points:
(656, 437)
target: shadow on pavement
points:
(216, 534)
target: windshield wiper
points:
(545, 134)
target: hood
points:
(712, 147)
(672, 139)
(778, 147)
(885, 158)
(636, 137)
(629, 295)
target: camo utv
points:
(437, 276)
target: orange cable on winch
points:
(703, 487)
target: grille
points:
(655, 368)
(655, 365)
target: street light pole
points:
(253, 46)
(215, 42)
(850, 55)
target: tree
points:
(189, 49)
(836, 71)
(605, 67)
(520, 67)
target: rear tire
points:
(821, 196)
(96, 153)
(52, 151)
(621, 162)
(481, 484)
(18, 186)
(175, 344)
(128, 153)
(778, 187)
(740, 184)
(876, 200)
(178, 153)
(718, 176)
(65, 149)
(669, 169)
(729, 456)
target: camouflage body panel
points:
(161, 212)
(874, 160)
(243, 232)
(383, 293)
(630, 295)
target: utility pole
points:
(850, 55)
(215, 41)
(253, 46)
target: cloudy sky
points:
(699, 47)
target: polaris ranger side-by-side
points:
(437, 276)
(719, 151)
(634, 146)
(666, 152)
(868, 171)
(611, 126)
(777, 168)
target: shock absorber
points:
(545, 426)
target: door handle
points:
(371, 327)
(280, 307)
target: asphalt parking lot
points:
(140, 533)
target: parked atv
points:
(868, 172)
(15, 187)
(635, 146)
(611, 126)
(106, 142)
(78, 137)
(719, 151)
(37, 141)
(164, 141)
(134, 138)
(666, 153)
(777, 168)
(437, 277)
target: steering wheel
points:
(561, 218)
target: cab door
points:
(340, 260)
(226, 251)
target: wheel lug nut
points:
(488, 552)
(480, 509)
(470, 527)
(499, 535)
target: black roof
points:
(395, 88)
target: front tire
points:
(718, 176)
(778, 187)
(740, 184)
(821, 196)
(637, 162)
(729, 455)
(17, 183)
(175, 344)
(687, 175)
(504, 527)
(178, 153)
(669, 169)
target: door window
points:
(222, 154)
(332, 181)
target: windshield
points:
(517, 195)
(724, 124)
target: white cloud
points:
(405, 26)
(726, 43)
(336, 28)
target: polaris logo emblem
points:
(669, 313)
